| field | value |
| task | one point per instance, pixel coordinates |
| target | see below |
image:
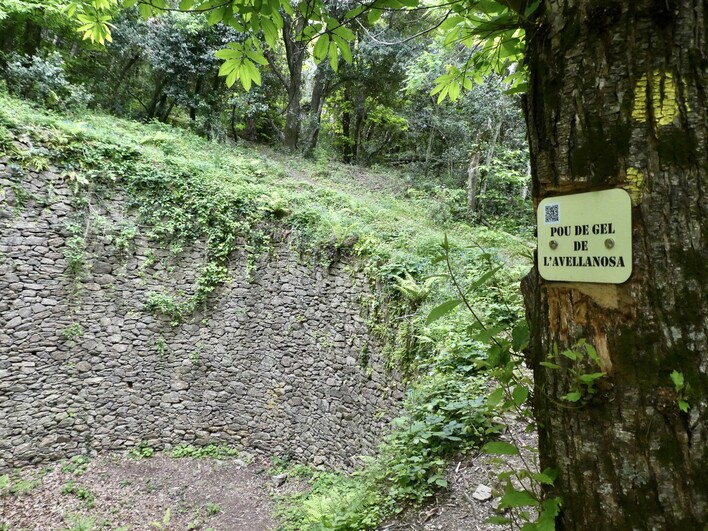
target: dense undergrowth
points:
(183, 189)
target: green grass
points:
(326, 205)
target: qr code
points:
(552, 213)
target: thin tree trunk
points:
(618, 99)
(319, 91)
(360, 117)
(232, 123)
(473, 176)
(346, 130)
(195, 96)
(33, 37)
(167, 107)
(429, 150)
(295, 55)
(489, 157)
(156, 98)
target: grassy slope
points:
(328, 205)
(389, 224)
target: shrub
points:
(43, 79)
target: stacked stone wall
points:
(280, 360)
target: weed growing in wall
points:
(72, 332)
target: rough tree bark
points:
(617, 98)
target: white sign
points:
(586, 237)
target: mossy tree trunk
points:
(618, 98)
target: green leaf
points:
(253, 72)
(454, 90)
(321, 47)
(544, 479)
(145, 10)
(373, 15)
(215, 16)
(495, 397)
(520, 394)
(590, 377)
(683, 406)
(345, 33)
(333, 56)
(678, 380)
(500, 448)
(186, 5)
(442, 310)
(256, 57)
(532, 8)
(451, 22)
(571, 354)
(490, 7)
(510, 47)
(573, 396)
(232, 77)
(244, 77)
(228, 53)
(344, 48)
(229, 66)
(520, 335)
(517, 498)
(549, 365)
(592, 353)
(550, 510)
(270, 31)
(498, 356)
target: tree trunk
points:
(360, 116)
(618, 99)
(473, 177)
(346, 130)
(195, 98)
(429, 150)
(232, 123)
(32, 38)
(488, 158)
(319, 92)
(155, 100)
(295, 55)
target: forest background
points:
(376, 108)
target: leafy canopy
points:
(490, 30)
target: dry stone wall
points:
(281, 360)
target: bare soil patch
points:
(120, 493)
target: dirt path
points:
(119, 493)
